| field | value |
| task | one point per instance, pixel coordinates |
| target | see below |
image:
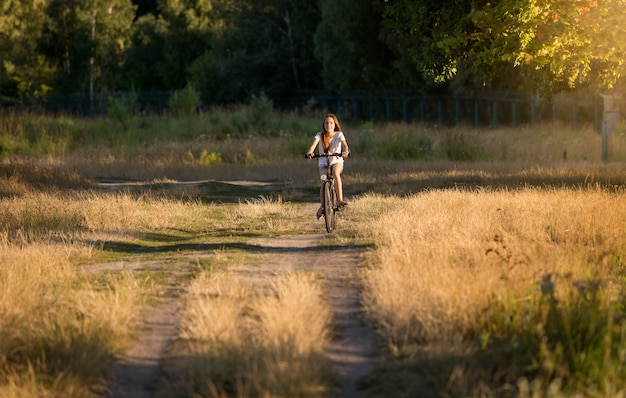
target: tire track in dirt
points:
(137, 373)
(352, 352)
(353, 349)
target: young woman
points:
(331, 140)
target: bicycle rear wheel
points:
(329, 210)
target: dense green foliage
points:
(543, 46)
(229, 50)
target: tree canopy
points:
(231, 49)
(552, 45)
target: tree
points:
(553, 45)
(87, 41)
(111, 30)
(348, 45)
(426, 32)
(144, 67)
(557, 45)
(261, 46)
(189, 28)
(23, 71)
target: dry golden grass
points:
(59, 330)
(265, 216)
(447, 259)
(470, 237)
(73, 215)
(239, 341)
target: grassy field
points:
(486, 293)
(496, 266)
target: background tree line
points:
(230, 49)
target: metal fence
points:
(457, 110)
(82, 105)
(495, 111)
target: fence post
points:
(388, 108)
(422, 110)
(604, 142)
(457, 112)
(610, 118)
(440, 111)
(533, 111)
(475, 114)
(514, 113)
(404, 110)
(495, 114)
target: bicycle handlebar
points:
(323, 155)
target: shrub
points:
(205, 158)
(458, 145)
(244, 157)
(185, 102)
(401, 146)
(307, 109)
(261, 112)
(122, 108)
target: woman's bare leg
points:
(337, 169)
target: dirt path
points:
(136, 374)
(353, 349)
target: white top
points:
(334, 147)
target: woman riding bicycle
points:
(331, 140)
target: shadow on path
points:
(135, 248)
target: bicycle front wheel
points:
(334, 205)
(329, 210)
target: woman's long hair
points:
(325, 135)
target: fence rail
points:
(478, 112)
(444, 110)
(154, 102)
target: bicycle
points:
(330, 203)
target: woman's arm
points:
(346, 150)
(312, 148)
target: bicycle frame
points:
(328, 193)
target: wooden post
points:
(610, 118)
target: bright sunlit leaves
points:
(553, 45)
